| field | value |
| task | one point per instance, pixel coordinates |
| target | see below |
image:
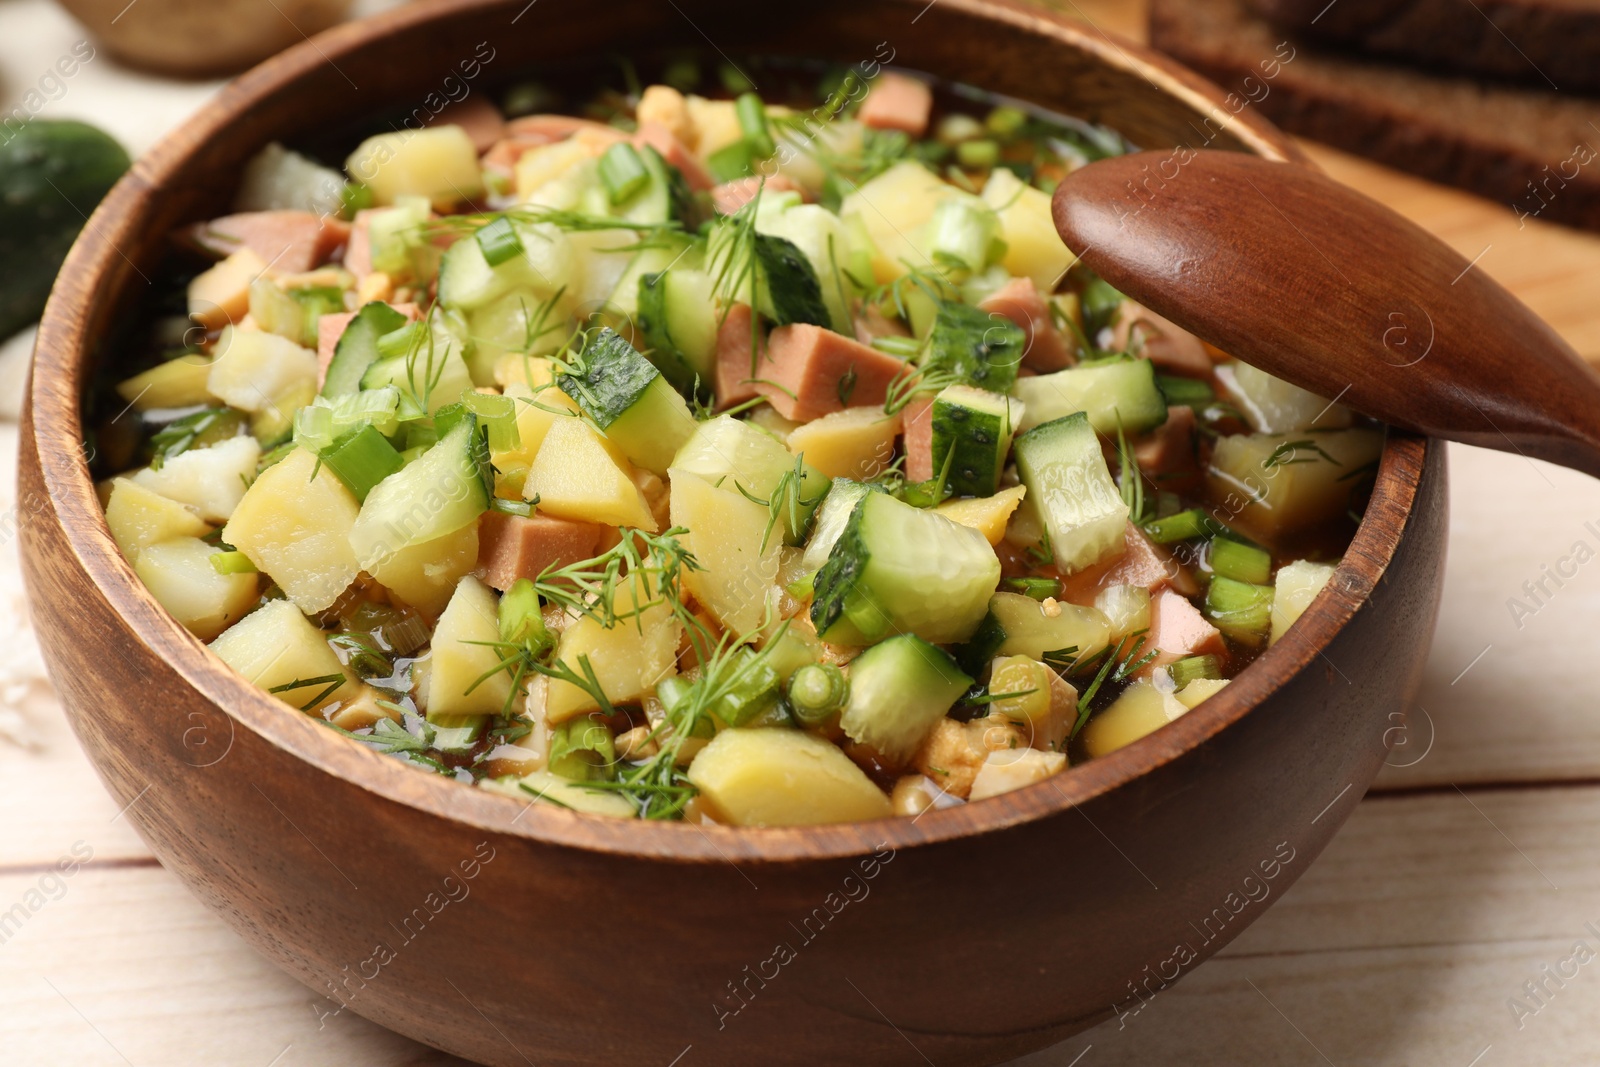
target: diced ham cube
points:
(1165, 343)
(729, 197)
(897, 102)
(674, 152)
(481, 120)
(733, 358)
(1020, 301)
(331, 327)
(1177, 630)
(809, 371)
(1166, 455)
(1142, 563)
(548, 129)
(358, 250)
(290, 242)
(519, 546)
(917, 418)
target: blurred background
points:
(1452, 921)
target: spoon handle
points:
(1307, 279)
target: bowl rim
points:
(52, 432)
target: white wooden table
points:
(1467, 873)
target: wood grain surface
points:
(1405, 943)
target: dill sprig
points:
(786, 501)
(1116, 665)
(1288, 454)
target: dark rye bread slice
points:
(1536, 151)
(1551, 43)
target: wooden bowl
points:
(511, 934)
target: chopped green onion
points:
(315, 302)
(1006, 121)
(499, 414)
(1239, 609)
(377, 407)
(733, 79)
(419, 435)
(498, 240)
(817, 691)
(1193, 667)
(1239, 561)
(521, 619)
(1036, 588)
(753, 121)
(755, 691)
(682, 74)
(978, 155)
(731, 163)
(528, 98)
(801, 588)
(361, 459)
(1184, 526)
(456, 733)
(232, 563)
(1184, 392)
(400, 342)
(511, 507)
(582, 749)
(953, 129)
(622, 172)
(354, 197)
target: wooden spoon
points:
(1286, 269)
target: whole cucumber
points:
(52, 174)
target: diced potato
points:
(255, 371)
(1033, 247)
(579, 475)
(221, 294)
(461, 657)
(893, 206)
(766, 416)
(715, 122)
(1295, 587)
(725, 534)
(177, 383)
(854, 443)
(986, 514)
(1141, 709)
(439, 162)
(628, 660)
(296, 529)
(1199, 689)
(425, 575)
(777, 777)
(1014, 768)
(1272, 486)
(277, 646)
(179, 574)
(540, 166)
(665, 106)
(1128, 608)
(546, 788)
(362, 710)
(210, 480)
(139, 517)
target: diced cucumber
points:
(898, 690)
(677, 322)
(1272, 405)
(789, 283)
(972, 431)
(899, 569)
(964, 232)
(733, 454)
(824, 240)
(438, 493)
(1067, 479)
(357, 348)
(1018, 625)
(660, 254)
(435, 373)
(974, 347)
(834, 513)
(1120, 392)
(663, 198)
(629, 400)
(394, 237)
(540, 262)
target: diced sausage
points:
(331, 327)
(547, 129)
(1165, 343)
(729, 197)
(1142, 563)
(733, 358)
(290, 242)
(659, 137)
(918, 422)
(1020, 301)
(523, 546)
(1166, 454)
(872, 323)
(897, 102)
(358, 250)
(808, 371)
(481, 120)
(1177, 630)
